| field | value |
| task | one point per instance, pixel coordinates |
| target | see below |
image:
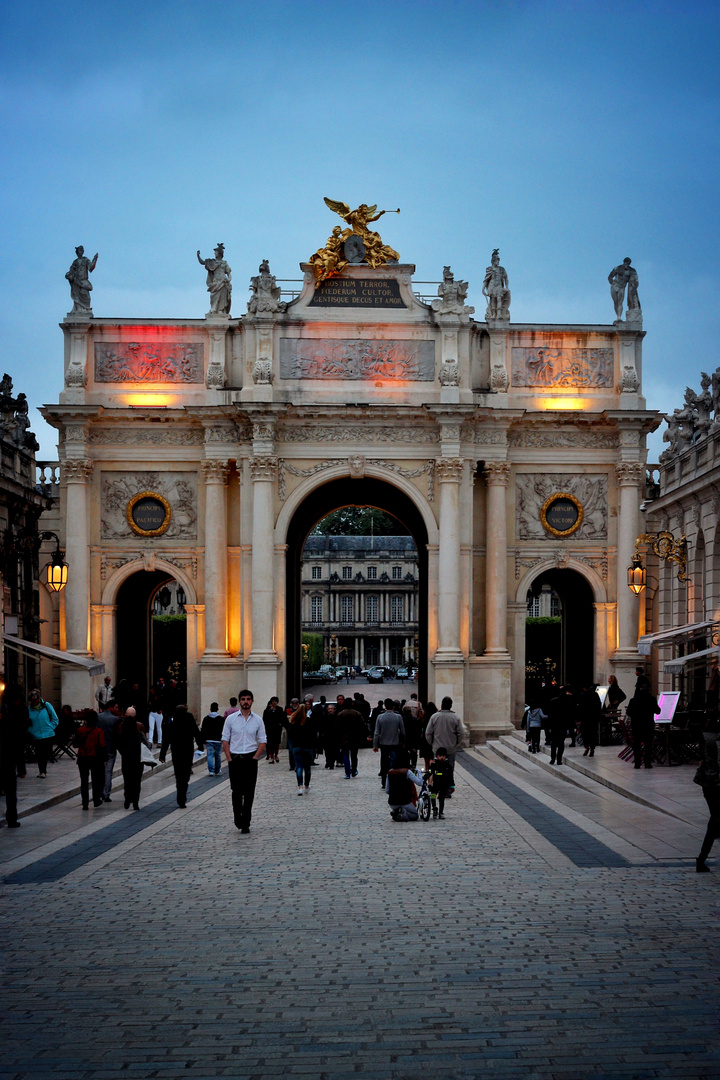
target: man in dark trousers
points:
(561, 714)
(243, 741)
(388, 738)
(180, 733)
(642, 709)
(589, 712)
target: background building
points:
(362, 591)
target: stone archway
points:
(317, 503)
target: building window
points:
(316, 606)
(316, 573)
(533, 607)
(372, 573)
(397, 573)
(554, 606)
(396, 608)
(347, 573)
(371, 609)
(346, 608)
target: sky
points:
(568, 135)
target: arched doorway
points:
(559, 635)
(151, 633)
(318, 504)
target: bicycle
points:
(424, 803)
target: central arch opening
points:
(151, 631)
(559, 630)
(335, 495)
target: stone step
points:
(571, 770)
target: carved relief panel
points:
(356, 358)
(562, 367)
(156, 362)
(532, 490)
(178, 488)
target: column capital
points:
(263, 468)
(215, 471)
(77, 470)
(497, 473)
(630, 473)
(449, 470)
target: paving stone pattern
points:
(332, 942)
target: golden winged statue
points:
(366, 246)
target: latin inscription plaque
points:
(148, 514)
(358, 292)
(561, 514)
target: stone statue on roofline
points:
(495, 288)
(624, 277)
(80, 285)
(452, 295)
(266, 292)
(219, 284)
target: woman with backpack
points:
(43, 724)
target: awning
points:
(675, 667)
(93, 667)
(672, 637)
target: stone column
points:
(263, 471)
(216, 475)
(77, 689)
(497, 474)
(448, 472)
(76, 473)
(630, 474)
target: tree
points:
(314, 654)
(359, 521)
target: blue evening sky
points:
(569, 135)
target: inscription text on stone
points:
(352, 292)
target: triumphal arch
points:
(203, 451)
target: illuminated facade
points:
(513, 453)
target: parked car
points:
(376, 674)
(311, 678)
(403, 673)
(329, 672)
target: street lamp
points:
(666, 547)
(57, 569)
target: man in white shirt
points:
(104, 694)
(243, 744)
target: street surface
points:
(548, 928)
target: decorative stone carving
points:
(215, 471)
(262, 372)
(80, 285)
(629, 437)
(551, 437)
(499, 382)
(14, 418)
(215, 378)
(449, 433)
(629, 384)
(138, 434)
(149, 362)
(285, 467)
(630, 473)
(265, 297)
(622, 277)
(562, 558)
(450, 373)
(220, 435)
(410, 474)
(76, 376)
(449, 470)
(189, 564)
(357, 433)
(219, 284)
(263, 468)
(704, 406)
(179, 488)
(533, 489)
(357, 466)
(77, 470)
(356, 359)
(497, 473)
(495, 288)
(492, 437)
(263, 432)
(111, 563)
(521, 562)
(598, 563)
(543, 367)
(73, 433)
(452, 295)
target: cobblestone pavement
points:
(533, 933)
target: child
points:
(535, 721)
(440, 781)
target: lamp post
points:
(666, 547)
